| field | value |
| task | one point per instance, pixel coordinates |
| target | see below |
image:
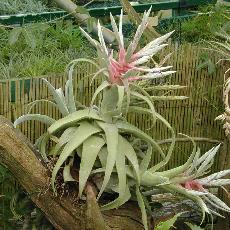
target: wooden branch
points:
(26, 165)
(150, 33)
(183, 139)
(71, 8)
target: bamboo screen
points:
(194, 116)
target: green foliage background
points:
(40, 49)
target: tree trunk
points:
(24, 162)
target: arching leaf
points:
(125, 127)
(111, 135)
(142, 207)
(34, 117)
(65, 137)
(58, 98)
(84, 131)
(72, 119)
(91, 148)
(131, 156)
(102, 86)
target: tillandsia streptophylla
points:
(101, 137)
(98, 134)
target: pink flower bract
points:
(193, 185)
(119, 68)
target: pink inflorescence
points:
(193, 185)
(119, 68)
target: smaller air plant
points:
(192, 180)
(189, 180)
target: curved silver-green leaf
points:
(69, 95)
(131, 156)
(74, 62)
(103, 154)
(111, 135)
(147, 158)
(43, 145)
(141, 110)
(141, 205)
(34, 117)
(30, 106)
(140, 30)
(171, 148)
(207, 160)
(97, 74)
(121, 93)
(90, 150)
(84, 131)
(180, 169)
(121, 172)
(118, 202)
(177, 189)
(102, 86)
(148, 101)
(65, 137)
(168, 98)
(72, 119)
(216, 202)
(38, 141)
(66, 93)
(164, 87)
(152, 179)
(115, 30)
(67, 172)
(58, 98)
(215, 177)
(102, 41)
(124, 126)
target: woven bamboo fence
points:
(194, 116)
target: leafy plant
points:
(206, 63)
(21, 6)
(203, 26)
(169, 224)
(166, 225)
(199, 27)
(39, 49)
(16, 208)
(150, 32)
(102, 146)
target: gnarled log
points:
(25, 164)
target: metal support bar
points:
(99, 12)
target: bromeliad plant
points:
(109, 148)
